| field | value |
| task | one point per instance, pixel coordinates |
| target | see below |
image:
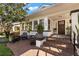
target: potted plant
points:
(39, 35)
(40, 28)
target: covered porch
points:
(59, 23)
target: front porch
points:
(58, 23)
(52, 47)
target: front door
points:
(61, 27)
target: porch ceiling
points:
(60, 16)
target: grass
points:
(4, 50)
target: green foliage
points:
(11, 12)
(29, 26)
(1, 33)
(29, 29)
(40, 28)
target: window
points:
(17, 29)
(25, 25)
(69, 21)
(22, 26)
(30, 25)
(41, 22)
(35, 24)
(48, 24)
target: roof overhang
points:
(60, 7)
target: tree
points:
(1, 15)
(11, 12)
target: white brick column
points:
(74, 19)
(46, 23)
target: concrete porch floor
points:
(52, 47)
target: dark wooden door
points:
(61, 27)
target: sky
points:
(31, 7)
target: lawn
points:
(5, 51)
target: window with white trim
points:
(35, 24)
(41, 21)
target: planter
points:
(10, 38)
(40, 42)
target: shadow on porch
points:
(52, 47)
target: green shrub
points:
(1, 33)
(40, 28)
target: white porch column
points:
(13, 28)
(20, 28)
(38, 21)
(45, 23)
(74, 18)
(32, 25)
(24, 26)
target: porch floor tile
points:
(52, 47)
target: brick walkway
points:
(52, 47)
